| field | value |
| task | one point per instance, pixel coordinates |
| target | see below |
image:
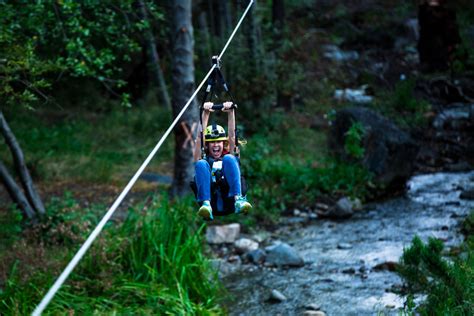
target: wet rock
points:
(455, 118)
(389, 152)
(356, 204)
(321, 206)
(244, 245)
(283, 255)
(314, 313)
(344, 245)
(342, 209)
(223, 267)
(312, 307)
(459, 166)
(277, 296)
(312, 216)
(353, 95)
(261, 236)
(467, 195)
(333, 52)
(256, 256)
(222, 234)
(293, 220)
(234, 259)
(349, 271)
(386, 266)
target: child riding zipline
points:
(218, 182)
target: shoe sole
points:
(204, 213)
(245, 209)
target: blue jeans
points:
(231, 171)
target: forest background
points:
(87, 88)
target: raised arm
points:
(230, 125)
(205, 118)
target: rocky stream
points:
(347, 266)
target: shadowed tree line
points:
(123, 50)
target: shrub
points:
(448, 285)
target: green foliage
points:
(448, 284)
(153, 263)
(402, 105)
(285, 173)
(463, 57)
(66, 223)
(10, 226)
(41, 42)
(88, 147)
(353, 140)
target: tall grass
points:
(151, 264)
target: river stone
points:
(222, 234)
(277, 296)
(223, 267)
(256, 256)
(389, 152)
(386, 266)
(342, 209)
(244, 245)
(283, 255)
(313, 307)
(467, 195)
(344, 245)
(314, 313)
(356, 204)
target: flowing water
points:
(340, 257)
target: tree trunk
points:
(284, 98)
(15, 192)
(252, 38)
(183, 87)
(227, 13)
(25, 178)
(210, 4)
(153, 57)
(204, 48)
(278, 14)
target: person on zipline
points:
(218, 178)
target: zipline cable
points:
(78, 256)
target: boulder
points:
(222, 234)
(283, 255)
(389, 152)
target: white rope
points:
(231, 37)
(78, 256)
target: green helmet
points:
(215, 133)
